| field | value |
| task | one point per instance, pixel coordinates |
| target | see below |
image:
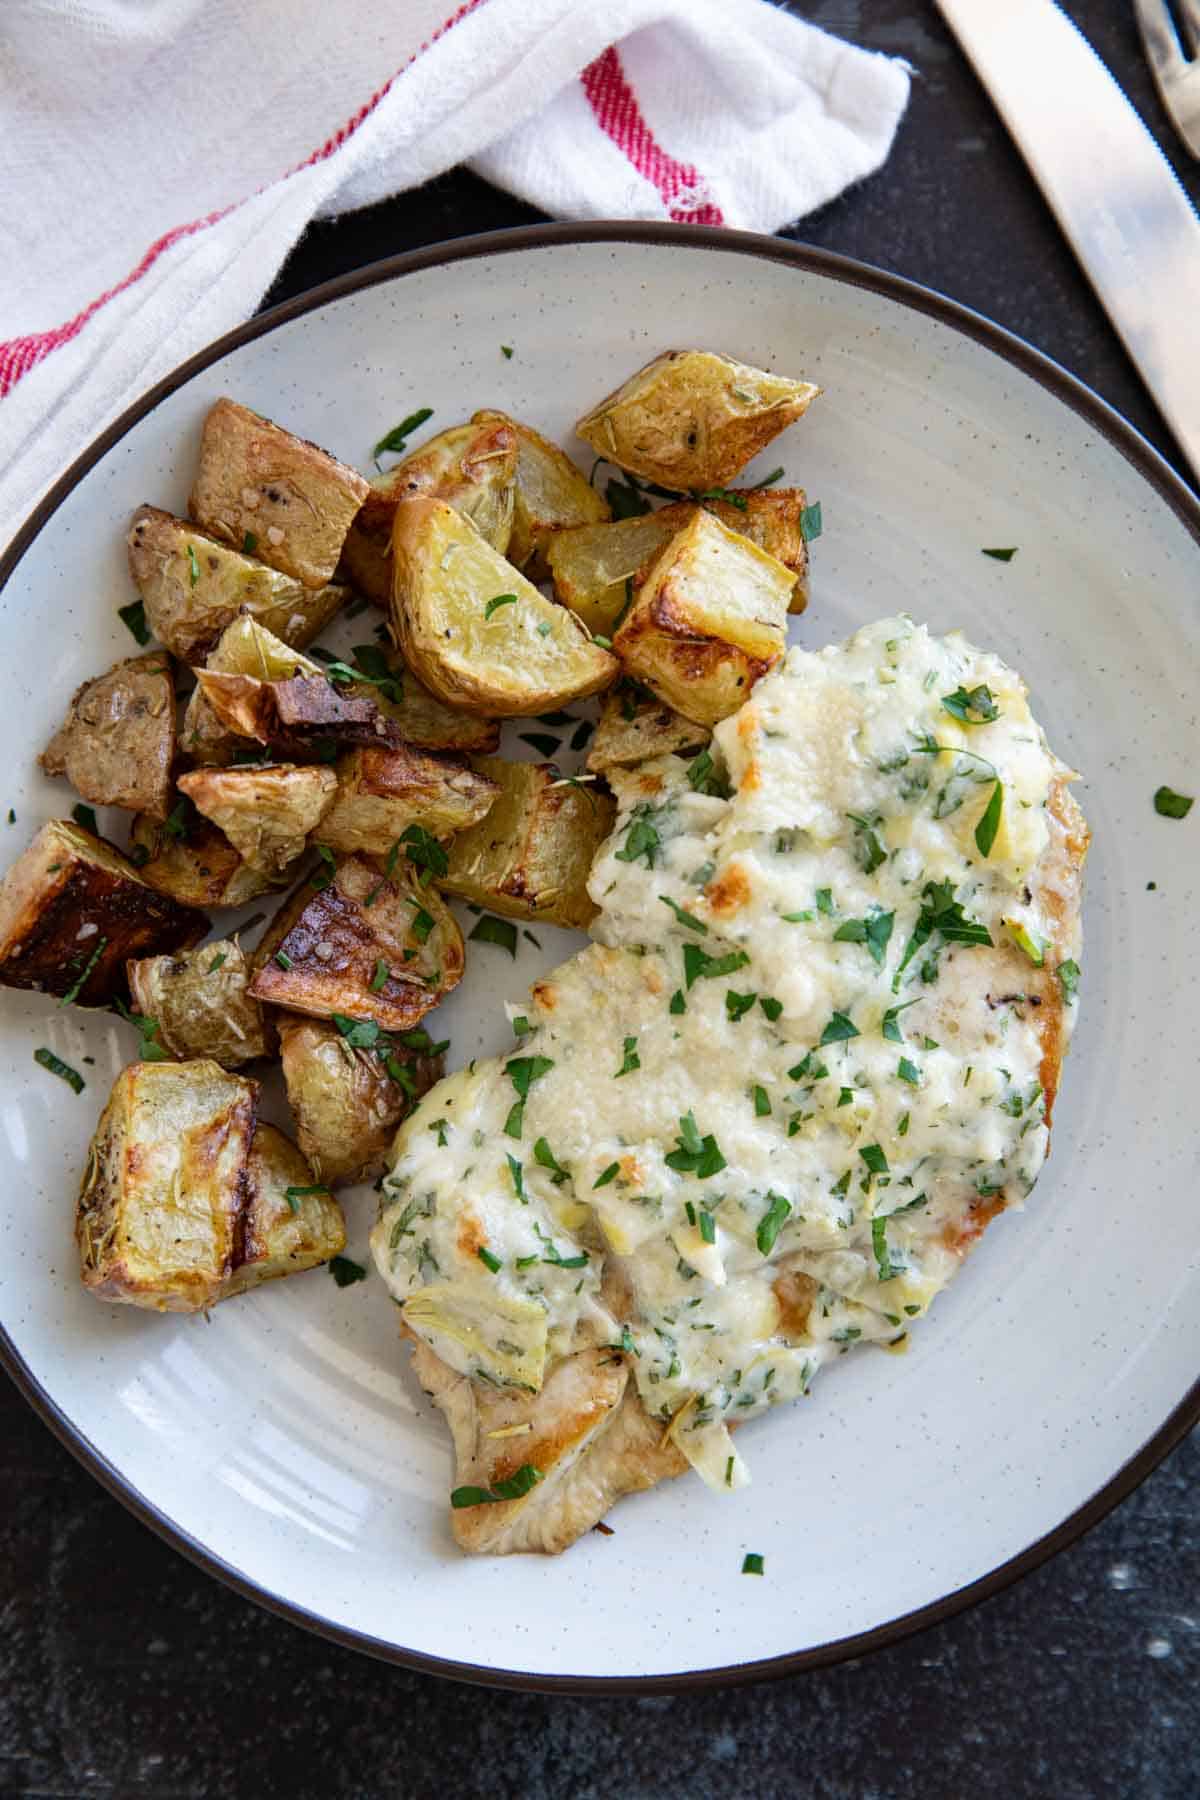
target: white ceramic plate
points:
(282, 1442)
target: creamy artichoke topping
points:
(757, 1121)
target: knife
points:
(1113, 192)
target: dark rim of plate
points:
(1144, 458)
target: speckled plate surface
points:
(282, 1442)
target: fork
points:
(1176, 74)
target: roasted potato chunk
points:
(634, 726)
(472, 467)
(196, 864)
(365, 946)
(295, 714)
(531, 856)
(201, 1003)
(287, 1227)
(164, 1188)
(381, 792)
(345, 1104)
(193, 586)
(295, 500)
(117, 741)
(707, 622)
(692, 419)
(477, 633)
(551, 493)
(266, 812)
(72, 911)
(244, 648)
(424, 722)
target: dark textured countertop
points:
(125, 1671)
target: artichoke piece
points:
(692, 420)
(117, 742)
(159, 1211)
(382, 792)
(634, 726)
(500, 1337)
(345, 1104)
(364, 946)
(476, 632)
(193, 586)
(293, 499)
(72, 910)
(531, 856)
(201, 1001)
(707, 622)
(287, 1227)
(266, 812)
(472, 467)
(195, 863)
(551, 493)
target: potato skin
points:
(381, 792)
(472, 467)
(692, 419)
(634, 726)
(345, 1104)
(279, 1237)
(707, 622)
(164, 1187)
(202, 1010)
(189, 600)
(296, 500)
(551, 492)
(531, 856)
(331, 942)
(70, 894)
(266, 811)
(117, 742)
(197, 866)
(527, 656)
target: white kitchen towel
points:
(161, 157)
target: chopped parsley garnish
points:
(625, 500)
(940, 912)
(497, 602)
(902, 1125)
(360, 1034)
(752, 1562)
(677, 1003)
(249, 543)
(728, 495)
(149, 1050)
(544, 1155)
(705, 778)
(1033, 945)
(523, 1071)
(323, 875)
(518, 1178)
(698, 964)
(875, 932)
(424, 852)
(640, 840)
(607, 1175)
(294, 1194)
(521, 1026)
(1068, 977)
(380, 978)
(439, 1125)
(631, 1059)
(422, 924)
(768, 480)
(85, 816)
(1172, 805)
(684, 916)
(908, 1071)
(487, 1259)
(989, 824)
(77, 985)
(772, 1008)
(283, 959)
(395, 440)
(839, 1030)
(193, 564)
(884, 1266)
(868, 850)
(974, 706)
(180, 819)
(845, 1096)
(63, 1070)
(772, 1222)
(762, 1102)
(738, 1005)
(809, 1069)
(708, 1226)
(693, 1154)
(824, 900)
(506, 351)
(810, 522)
(890, 1028)
(1000, 555)
(217, 962)
(876, 1161)
(515, 1488)
(345, 1271)
(134, 617)
(501, 932)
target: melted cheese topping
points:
(753, 1122)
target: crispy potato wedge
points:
(117, 742)
(73, 910)
(197, 865)
(201, 1003)
(345, 1104)
(295, 500)
(193, 586)
(531, 856)
(266, 812)
(692, 419)
(522, 656)
(472, 467)
(325, 951)
(707, 622)
(551, 492)
(285, 1228)
(164, 1189)
(381, 792)
(634, 726)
